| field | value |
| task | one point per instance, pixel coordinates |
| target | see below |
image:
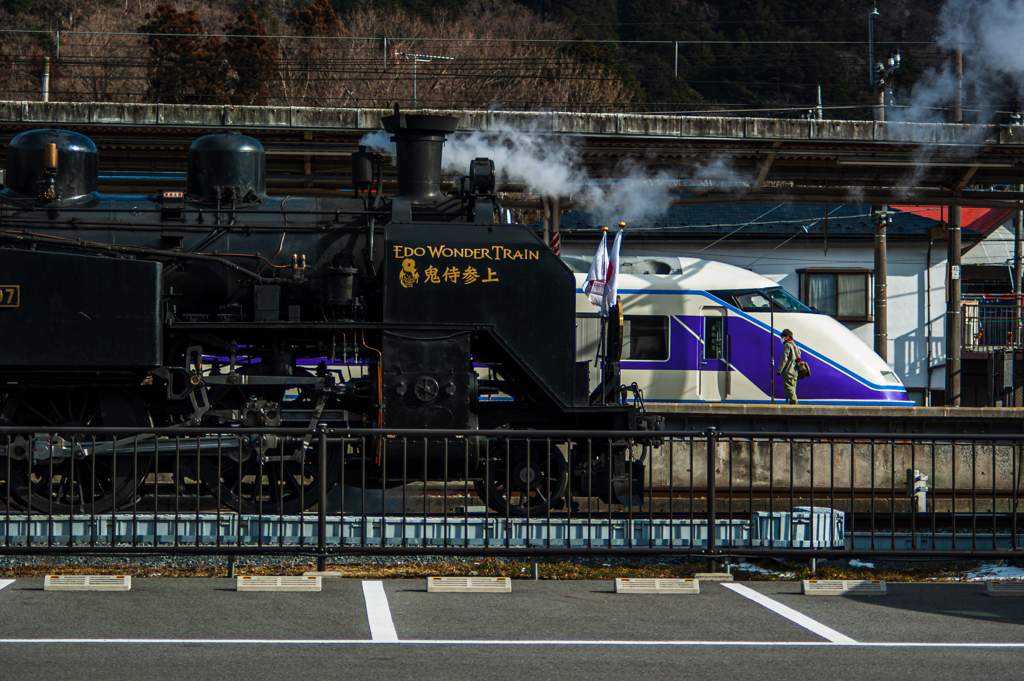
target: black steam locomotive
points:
(222, 306)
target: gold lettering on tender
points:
(480, 253)
(491, 276)
(10, 296)
(408, 276)
(431, 273)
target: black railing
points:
(527, 493)
(990, 324)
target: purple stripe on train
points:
(751, 355)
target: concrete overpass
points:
(782, 160)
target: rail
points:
(330, 492)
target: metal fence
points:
(990, 324)
(527, 493)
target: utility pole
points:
(1018, 246)
(545, 203)
(882, 218)
(556, 225)
(552, 221)
(956, 114)
(46, 79)
(1018, 267)
(954, 323)
(416, 60)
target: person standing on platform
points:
(787, 366)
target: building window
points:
(844, 294)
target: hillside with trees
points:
(760, 56)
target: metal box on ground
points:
(288, 583)
(843, 587)
(642, 585)
(492, 585)
(713, 577)
(995, 587)
(87, 583)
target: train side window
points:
(714, 338)
(647, 337)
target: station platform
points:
(694, 416)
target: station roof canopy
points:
(771, 160)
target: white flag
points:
(611, 285)
(593, 288)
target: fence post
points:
(321, 506)
(712, 435)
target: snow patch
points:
(749, 567)
(856, 563)
(993, 571)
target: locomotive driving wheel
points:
(283, 479)
(63, 475)
(524, 480)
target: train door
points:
(714, 354)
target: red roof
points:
(979, 220)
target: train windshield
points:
(762, 300)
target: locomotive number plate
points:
(10, 296)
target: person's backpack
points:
(803, 370)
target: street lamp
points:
(880, 74)
(420, 59)
(871, 43)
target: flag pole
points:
(602, 344)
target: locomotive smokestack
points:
(419, 139)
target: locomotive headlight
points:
(891, 378)
(481, 176)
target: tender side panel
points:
(70, 310)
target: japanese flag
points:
(593, 288)
(611, 282)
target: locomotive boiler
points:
(223, 306)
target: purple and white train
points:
(709, 332)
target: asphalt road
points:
(202, 629)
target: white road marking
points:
(790, 614)
(435, 642)
(378, 613)
(4, 583)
